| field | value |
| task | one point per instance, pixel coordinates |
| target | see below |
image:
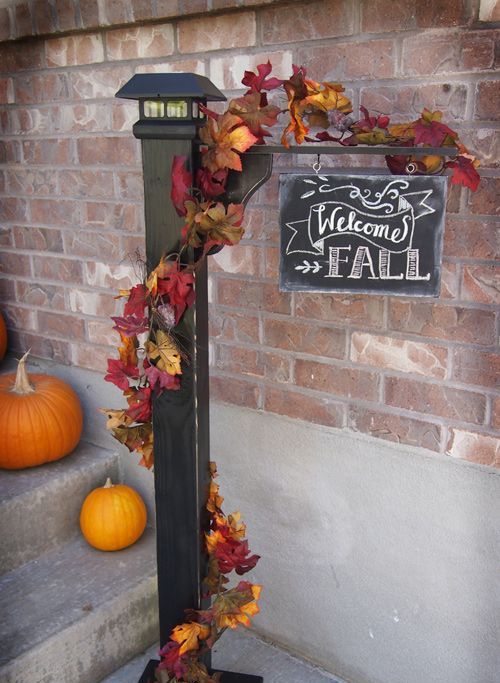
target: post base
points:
(227, 676)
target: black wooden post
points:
(168, 125)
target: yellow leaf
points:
(164, 353)
(188, 635)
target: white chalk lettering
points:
(362, 259)
(335, 260)
(384, 266)
(413, 266)
(344, 218)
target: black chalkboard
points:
(374, 234)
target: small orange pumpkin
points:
(112, 517)
(40, 419)
(3, 337)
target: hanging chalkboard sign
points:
(374, 234)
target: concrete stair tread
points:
(40, 506)
(47, 595)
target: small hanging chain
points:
(317, 165)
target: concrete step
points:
(242, 652)
(76, 614)
(40, 506)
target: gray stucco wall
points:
(379, 562)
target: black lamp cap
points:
(144, 86)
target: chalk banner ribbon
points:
(388, 225)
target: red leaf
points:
(211, 184)
(235, 555)
(136, 302)
(178, 286)
(130, 325)
(140, 405)
(182, 181)
(172, 660)
(430, 131)
(161, 380)
(464, 172)
(259, 81)
(119, 374)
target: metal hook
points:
(317, 165)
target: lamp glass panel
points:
(177, 109)
(154, 109)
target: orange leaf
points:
(189, 635)
(225, 137)
(128, 350)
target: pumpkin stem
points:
(108, 484)
(22, 385)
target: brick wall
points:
(419, 372)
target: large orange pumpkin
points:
(3, 337)
(40, 419)
(112, 517)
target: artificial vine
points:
(150, 358)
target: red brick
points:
(99, 82)
(138, 42)
(485, 144)
(141, 9)
(350, 61)
(307, 21)
(6, 91)
(30, 181)
(33, 89)
(262, 224)
(6, 30)
(10, 151)
(14, 264)
(74, 118)
(486, 100)
(106, 216)
(244, 259)
(376, 17)
(115, 12)
(485, 199)
(272, 260)
(23, 20)
(167, 8)
(58, 269)
(446, 54)
(55, 212)
(32, 121)
(48, 152)
(476, 367)
(90, 357)
(89, 11)
(235, 391)
(304, 338)
(57, 350)
(402, 355)
(73, 50)
(30, 57)
(92, 244)
(337, 380)
(94, 303)
(6, 236)
(434, 399)
(43, 17)
(19, 318)
(479, 448)
(123, 116)
(237, 359)
(442, 322)
(65, 326)
(239, 327)
(195, 6)
(86, 183)
(7, 288)
(449, 281)
(215, 33)
(300, 406)
(227, 72)
(338, 308)
(471, 238)
(495, 414)
(101, 332)
(129, 185)
(13, 209)
(481, 283)
(38, 239)
(110, 150)
(253, 295)
(40, 295)
(66, 14)
(407, 102)
(396, 428)
(440, 13)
